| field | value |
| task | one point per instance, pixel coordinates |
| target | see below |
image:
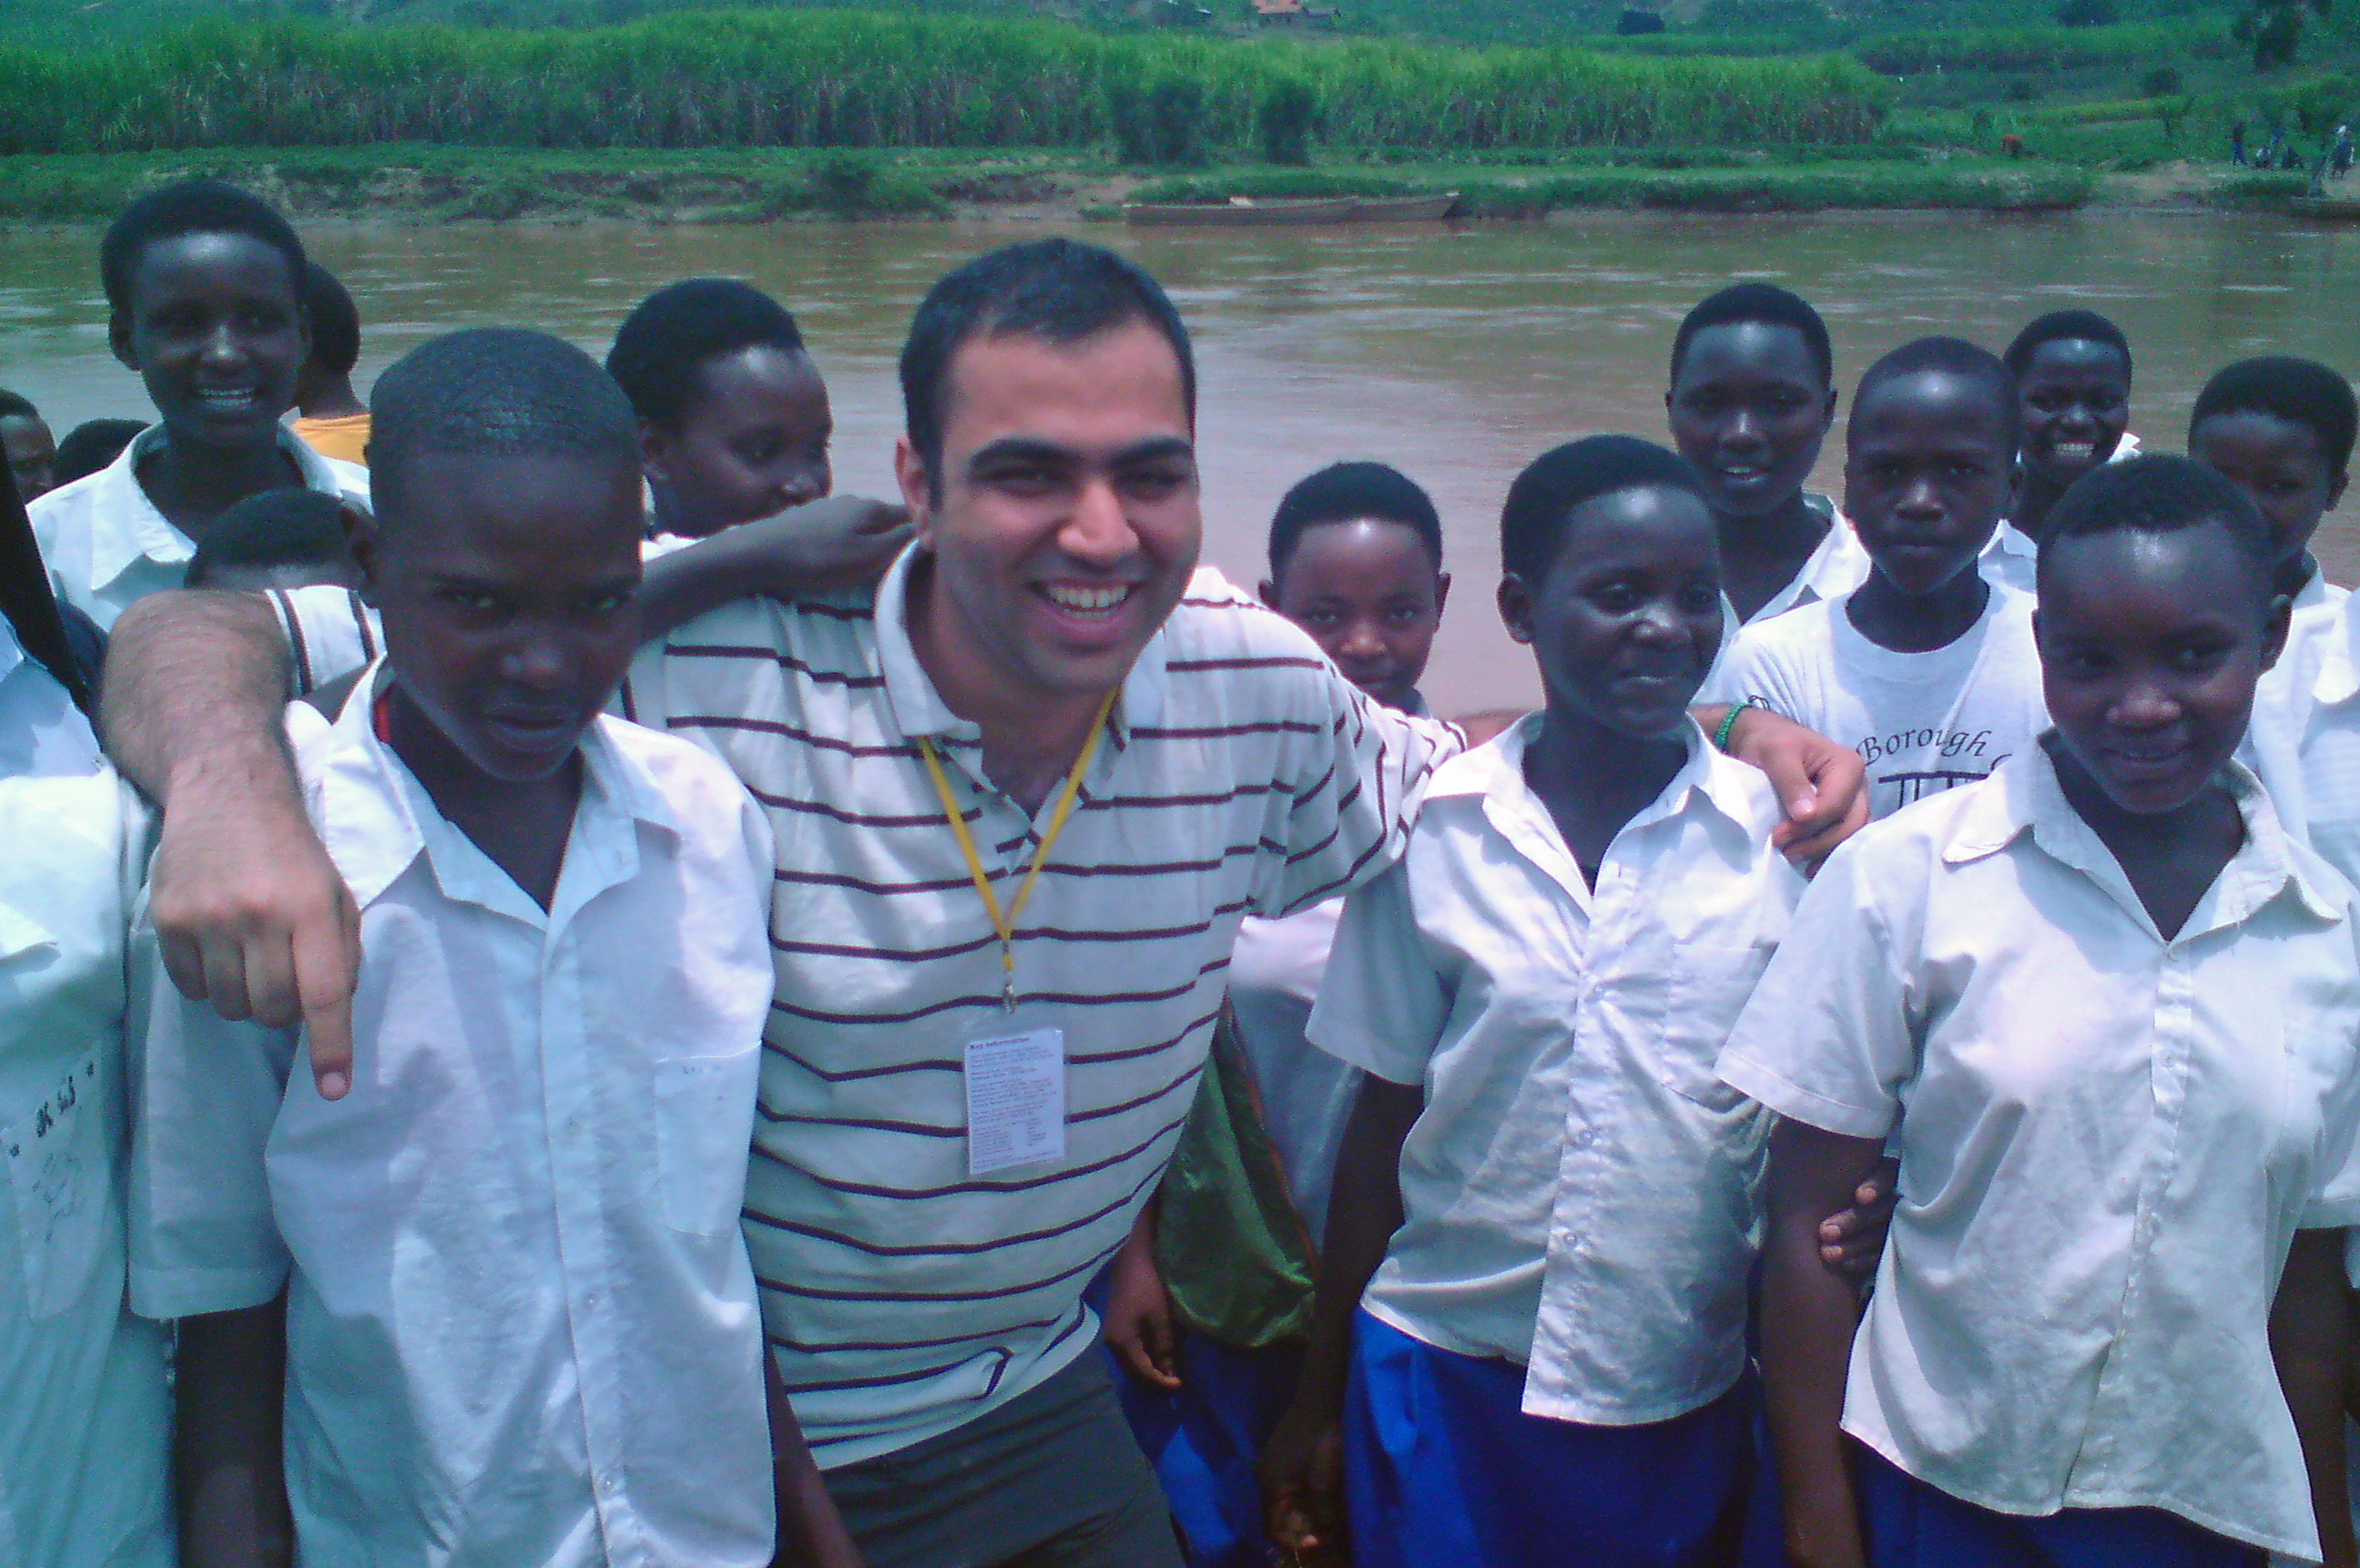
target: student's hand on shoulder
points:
(253, 916)
(1823, 785)
(1851, 1242)
(1138, 1324)
(843, 541)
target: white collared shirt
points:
(2109, 1141)
(521, 1325)
(86, 1421)
(2011, 556)
(1580, 1191)
(42, 733)
(106, 543)
(1830, 572)
(1240, 774)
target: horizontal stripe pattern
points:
(1243, 775)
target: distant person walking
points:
(2237, 144)
(2340, 160)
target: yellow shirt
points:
(345, 437)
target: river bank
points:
(412, 184)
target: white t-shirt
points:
(1922, 722)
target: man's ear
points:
(655, 452)
(917, 487)
(2274, 630)
(118, 340)
(2335, 488)
(1515, 607)
(1268, 590)
(1441, 592)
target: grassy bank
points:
(432, 185)
(752, 79)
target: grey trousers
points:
(1052, 1479)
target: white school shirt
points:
(86, 1421)
(42, 733)
(106, 544)
(2109, 1141)
(1922, 722)
(521, 1327)
(1837, 566)
(2011, 555)
(1580, 1193)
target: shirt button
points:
(591, 1300)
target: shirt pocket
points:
(61, 1179)
(705, 1129)
(1710, 983)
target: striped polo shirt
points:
(1240, 775)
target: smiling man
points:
(204, 293)
(1023, 791)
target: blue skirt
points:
(1910, 1524)
(1444, 1469)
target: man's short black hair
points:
(1059, 290)
(1345, 492)
(2299, 391)
(2065, 326)
(2154, 495)
(1544, 496)
(187, 207)
(276, 528)
(496, 391)
(15, 405)
(335, 321)
(663, 346)
(1764, 305)
(90, 445)
(1949, 357)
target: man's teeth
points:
(1069, 596)
(2076, 449)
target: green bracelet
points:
(1729, 721)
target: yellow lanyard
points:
(1005, 924)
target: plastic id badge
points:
(1015, 1100)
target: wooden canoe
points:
(1404, 209)
(1239, 212)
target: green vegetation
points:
(849, 79)
(2042, 49)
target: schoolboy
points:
(329, 417)
(2072, 371)
(519, 1321)
(1926, 670)
(2117, 1000)
(85, 1421)
(25, 443)
(204, 294)
(279, 539)
(734, 417)
(2280, 429)
(1549, 1201)
(1751, 399)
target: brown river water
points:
(1456, 353)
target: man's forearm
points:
(195, 684)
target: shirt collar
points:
(1495, 772)
(2339, 663)
(1834, 568)
(376, 819)
(2023, 796)
(918, 705)
(126, 528)
(12, 652)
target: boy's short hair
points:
(1948, 356)
(1764, 305)
(92, 445)
(278, 528)
(335, 321)
(15, 405)
(1059, 290)
(496, 391)
(2299, 391)
(1344, 492)
(2064, 327)
(662, 347)
(1542, 498)
(2157, 494)
(187, 207)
